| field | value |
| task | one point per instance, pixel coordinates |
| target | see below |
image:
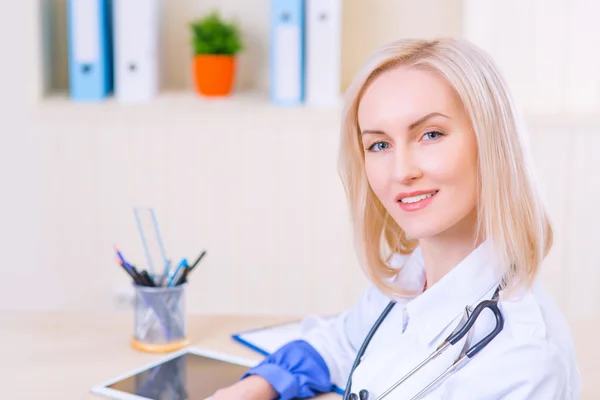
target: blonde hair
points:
(512, 215)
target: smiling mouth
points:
(416, 199)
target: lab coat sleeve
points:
(526, 372)
(324, 353)
(339, 340)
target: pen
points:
(178, 278)
(129, 268)
(189, 269)
(148, 278)
(121, 258)
(182, 264)
(129, 272)
(140, 277)
(183, 276)
(197, 260)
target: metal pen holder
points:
(160, 320)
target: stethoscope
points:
(463, 329)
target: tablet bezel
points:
(102, 389)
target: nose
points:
(406, 168)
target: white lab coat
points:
(532, 358)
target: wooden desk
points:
(61, 355)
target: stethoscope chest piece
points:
(362, 395)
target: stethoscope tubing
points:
(451, 340)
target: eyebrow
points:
(411, 126)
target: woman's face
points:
(420, 151)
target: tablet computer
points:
(190, 373)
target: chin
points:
(418, 234)
(422, 229)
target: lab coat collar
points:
(444, 303)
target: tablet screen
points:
(189, 376)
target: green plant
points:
(212, 35)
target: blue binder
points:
(90, 49)
(286, 56)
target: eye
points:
(432, 135)
(378, 146)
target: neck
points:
(444, 251)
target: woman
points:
(446, 213)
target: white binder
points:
(136, 32)
(323, 52)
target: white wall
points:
(20, 199)
(368, 24)
(548, 50)
(260, 191)
(255, 185)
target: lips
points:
(415, 201)
(413, 197)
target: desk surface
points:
(61, 355)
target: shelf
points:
(254, 107)
(181, 104)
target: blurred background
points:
(252, 181)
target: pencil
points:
(197, 260)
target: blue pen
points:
(119, 255)
(121, 258)
(137, 277)
(182, 264)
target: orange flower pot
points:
(214, 74)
